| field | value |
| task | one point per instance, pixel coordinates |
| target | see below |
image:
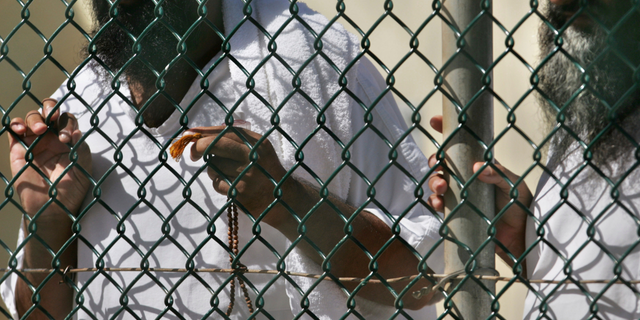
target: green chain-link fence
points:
(581, 234)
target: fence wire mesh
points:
(147, 237)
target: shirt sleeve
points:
(395, 197)
(8, 286)
(394, 194)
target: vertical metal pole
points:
(463, 80)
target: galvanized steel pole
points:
(463, 81)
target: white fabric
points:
(134, 192)
(274, 82)
(589, 204)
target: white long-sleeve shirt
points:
(589, 234)
(141, 213)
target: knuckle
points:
(49, 100)
(32, 113)
(16, 120)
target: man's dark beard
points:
(610, 78)
(158, 47)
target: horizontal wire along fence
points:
(122, 281)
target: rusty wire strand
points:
(308, 275)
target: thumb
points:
(491, 176)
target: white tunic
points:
(591, 234)
(148, 211)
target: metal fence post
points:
(468, 56)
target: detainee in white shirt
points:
(143, 210)
(582, 223)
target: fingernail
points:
(47, 106)
(65, 137)
(17, 127)
(487, 171)
(239, 123)
(40, 126)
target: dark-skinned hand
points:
(51, 156)
(231, 157)
(510, 228)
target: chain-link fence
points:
(124, 232)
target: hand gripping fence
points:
(468, 230)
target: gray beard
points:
(599, 116)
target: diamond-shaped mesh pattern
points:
(582, 228)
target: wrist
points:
(54, 229)
(294, 198)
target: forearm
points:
(325, 228)
(514, 241)
(51, 229)
(56, 298)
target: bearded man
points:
(583, 221)
(155, 71)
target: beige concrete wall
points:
(389, 42)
